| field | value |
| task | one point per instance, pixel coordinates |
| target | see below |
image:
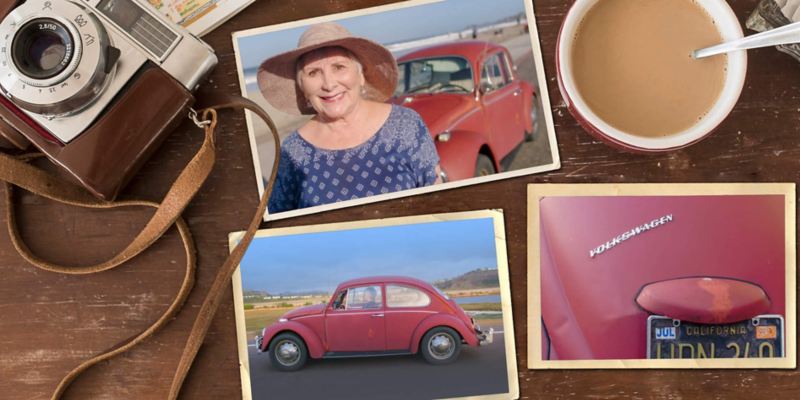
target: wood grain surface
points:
(49, 322)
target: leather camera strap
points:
(17, 172)
(222, 280)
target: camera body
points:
(96, 85)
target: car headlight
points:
(283, 319)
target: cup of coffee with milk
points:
(626, 71)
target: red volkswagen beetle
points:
(382, 315)
(475, 105)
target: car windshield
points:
(434, 75)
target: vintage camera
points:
(96, 85)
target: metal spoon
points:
(784, 35)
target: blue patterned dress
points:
(400, 156)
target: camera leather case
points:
(107, 155)
(131, 125)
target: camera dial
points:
(55, 57)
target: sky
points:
(320, 261)
(401, 25)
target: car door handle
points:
(377, 315)
(517, 92)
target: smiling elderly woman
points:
(355, 145)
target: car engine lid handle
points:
(705, 300)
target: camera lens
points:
(42, 48)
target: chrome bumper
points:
(259, 340)
(486, 337)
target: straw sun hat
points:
(277, 75)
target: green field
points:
(257, 319)
(482, 307)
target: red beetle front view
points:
(373, 316)
(476, 106)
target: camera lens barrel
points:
(53, 57)
(42, 48)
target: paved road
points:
(478, 370)
(537, 152)
(519, 47)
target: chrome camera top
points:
(62, 62)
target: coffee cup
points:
(730, 86)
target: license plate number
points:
(759, 337)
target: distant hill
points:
(259, 295)
(254, 295)
(476, 279)
(307, 293)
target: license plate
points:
(760, 337)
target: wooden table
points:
(49, 322)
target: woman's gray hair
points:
(301, 60)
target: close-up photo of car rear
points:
(663, 277)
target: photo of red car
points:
(475, 104)
(357, 310)
(371, 316)
(702, 275)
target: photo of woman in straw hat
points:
(355, 145)
(396, 100)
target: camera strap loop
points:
(17, 172)
(200, 123)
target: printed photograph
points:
(199, 16)
(403, 308)
(396, 100)
(661, 276)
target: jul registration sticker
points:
(665, 332)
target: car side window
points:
(493, 75)
(338, 302)
(364, 298)
(404, 296)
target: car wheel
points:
(288, 352)
(535, 120)
(484, 166)
(441, 345)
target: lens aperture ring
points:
(44, 49)
(34, 40)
